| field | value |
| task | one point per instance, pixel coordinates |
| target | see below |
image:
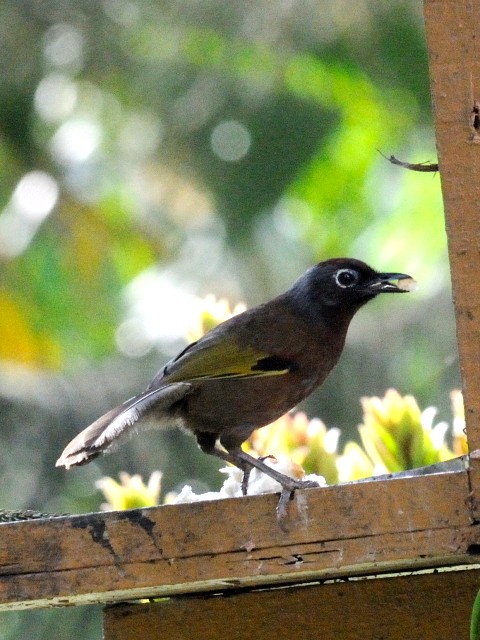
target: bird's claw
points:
(308, 484)
(300, 484)
(282, 506)
(287, 494)
(268, 457)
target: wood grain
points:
(335, 531)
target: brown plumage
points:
(249, 370)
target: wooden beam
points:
(417, 607)
(335, 531)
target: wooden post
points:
(453, 37)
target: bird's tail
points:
(119, 422)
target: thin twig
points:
(426, 167)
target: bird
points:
(249, 370)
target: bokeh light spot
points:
(123, 12)
(55, 97)
(75, 141)
(230, 141)
(32, 201)
(35, 195)
(63, 46)
(132, 338)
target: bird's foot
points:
(288, 494)
(246, 462)
(290, 484)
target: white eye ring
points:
(346, 278)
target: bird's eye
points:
(346, 278)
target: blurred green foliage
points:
(118, 103)
(152, 152)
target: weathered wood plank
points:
(417, 607)
(334, 531)
(453, 36)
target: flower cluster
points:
(395, 435)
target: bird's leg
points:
(244, 461)
(246, 477)
(207, 443)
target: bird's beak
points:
(392, 283)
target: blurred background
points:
(155, 152)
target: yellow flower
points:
(210, 314)
(397, 435)
(354, 464)
(307, 442)
(131, 492)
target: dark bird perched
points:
(249, 370)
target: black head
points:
(343, 283)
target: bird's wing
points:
(218, 357)
(119, 422)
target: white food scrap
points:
(407, 284)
